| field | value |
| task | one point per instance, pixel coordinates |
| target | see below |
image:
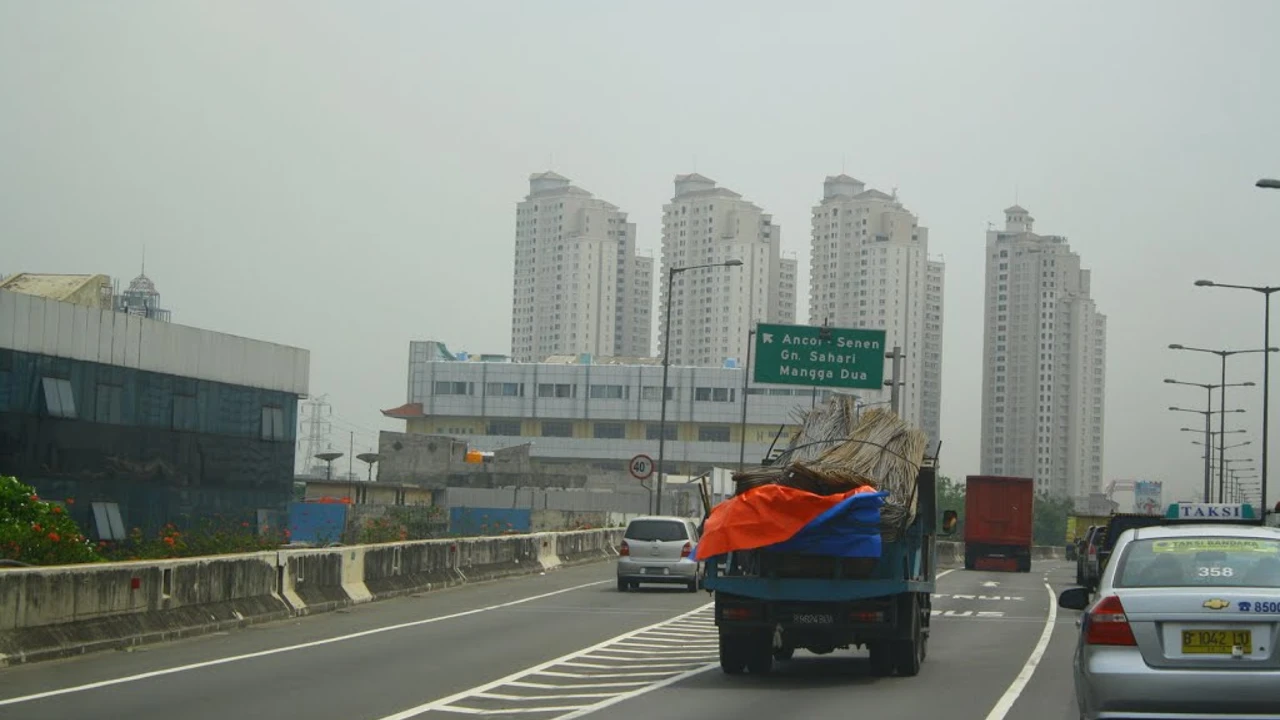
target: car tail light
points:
(624, 548)
(684, 551)
(1106, 624)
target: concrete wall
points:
(54, 612)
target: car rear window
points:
(661, 530)
(1206, 561)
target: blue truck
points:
(768, 604)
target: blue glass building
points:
(168, 422)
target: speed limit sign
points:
(641, 467)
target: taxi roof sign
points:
(1210, 511)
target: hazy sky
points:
(342, 175)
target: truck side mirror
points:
(949, 521)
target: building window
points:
(610, 431)
(713, 433)
(504, 389)
(59, 401)
(557, 428)
(706, 394)
(273, 423)
(610, 392)
(504, 428)
(108, 407)
(653, 393)
(653, 431)
(560, 391)
(448, 387)
(184, 413)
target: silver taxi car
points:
(659, 549)
(1185, 624)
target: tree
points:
(951, 497)
(38, 532)
(1049, 521)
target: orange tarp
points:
(763, 516)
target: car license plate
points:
(812, 619)
(1216, 642)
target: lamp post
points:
(1208, 427)
(1222, 398)
(1208, 437)
(666, 369)
(1266, 291)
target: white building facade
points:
(1044, 374)
(600, 413)
(713, 309)
(578, 286)
(870, 268)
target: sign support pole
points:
(894, 397)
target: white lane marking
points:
(991, 584)
(660, 678)
(658, 637)
(288, 648)
(1005, 703)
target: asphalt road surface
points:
(568, 645)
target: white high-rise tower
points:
(579, 286)
(870, 268)
(1044, 370)
(714, 308)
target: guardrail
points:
(52, 612)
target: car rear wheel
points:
(623, 585)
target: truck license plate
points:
(812, 619)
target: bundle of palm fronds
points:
(836, 451)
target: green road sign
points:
(801, 355)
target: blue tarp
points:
(850, 529)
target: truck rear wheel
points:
(909, 652)
(733, 658)
(760, 653)
(970, 560)
(882, 660)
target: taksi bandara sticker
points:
(1199, 545)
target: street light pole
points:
(666, 370)
(746, 377)
(1266, 291)
(1208, 439)
(1222, 419)
(1208, 425)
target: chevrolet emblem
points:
(1216, 604)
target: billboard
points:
(1148, 496)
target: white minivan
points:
(659, 549)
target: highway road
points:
(568, 645)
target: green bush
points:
(37, 532)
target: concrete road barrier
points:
(60, 611)
(53, 612)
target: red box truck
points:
(998, 523)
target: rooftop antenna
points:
(695, 162)
(842, 170)
(144, 258)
